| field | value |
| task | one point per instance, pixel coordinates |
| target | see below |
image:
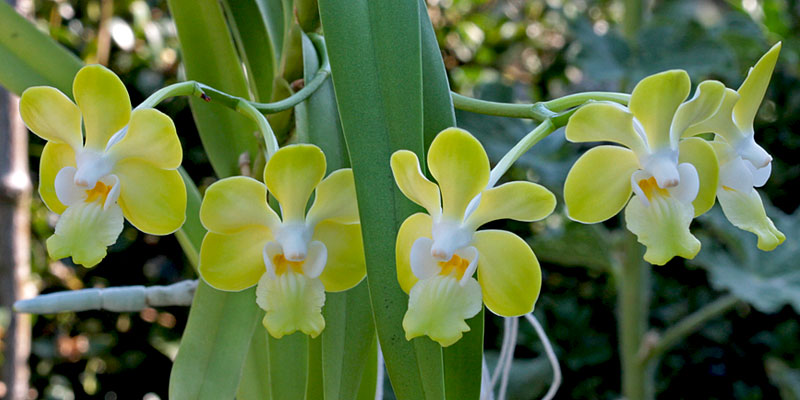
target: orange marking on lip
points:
(650, 187)
(282, 265)
(455, 265)
(98, 192)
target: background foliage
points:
(511, 50)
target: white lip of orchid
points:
(92, 166)
(448, 237)
(749, 150)
(662, 165)
(313, 266)
(425, 265)
(294, 238)
(686, 191)
(68, 193)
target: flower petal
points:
(654, 101)
(423, 265)
(104, 103)
(460, 165)
(66, 190)
(236, 203)
(414, 227)
(521, 201)
(721, 122)
(438, 308)
(753, 89)
(55, 157)
(335, 199)
(706, 101)
(508, 272)
(413, 184)
(84, 232)
(346, 266)
(291, 175)
(152, 199)
(234, 261)
(599, 184)
(293, 302)
(605, 122)
(746, 211)
(663, 227)
(51, 115)
(686, 191)
(150, 137)
(701, 155)
(760, 175)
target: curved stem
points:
(537, 134)
(270, 141)
(539, 111)
(574, 100)
(689, 325)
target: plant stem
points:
(689, 325)
(633, 17)
(270, 141)
(539, 133)
(539, 111)
(633, 283)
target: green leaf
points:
(31, 58)
(250, 29)
(314, 384)
(369, 380)
(272, 12)
(255, 383)
(209, 56)
(463, 361)
(190, 235)
(288, 365)
(375, 54)
(767, 280)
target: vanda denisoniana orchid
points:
(438, 252)
(743, 164)
(673, 180)
(293, 259)
(124, 165)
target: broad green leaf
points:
(767, 280)
(272, 12)
(314, 385)
(288, 365)
(349, 336)
(209, 56)
(369, 380)
(463, 360)
(255, 383)
(375, 54)
(250, 29)
(31, 58)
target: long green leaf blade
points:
(374, 48)
(255, 49)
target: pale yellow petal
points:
(604, 122)
(234, 262)
(104, 103)
(663, 227)
(414, 227)
(51, 115)
(705, 103)
(460, 165)
(346, 266)
(508, 272)
(753, 89)
(438, 307)
(152, 199)
(84, 232)
(599, 184)
(335, 199)
(654, 101)
(293, 302)
(291, 175)
(746, 212)
(55, 156)
(150, 137)
(413, 184)
(236, 203)
(701, 155)
(721, 122)
(521, 201)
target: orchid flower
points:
(124, 166)
(438, 252)
(293, 259)
(673, 180)
(743, 164)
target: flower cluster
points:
(125, 165)
(674, 176)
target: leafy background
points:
(511, 50)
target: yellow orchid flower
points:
(126, 166)
(673, 180)
(293, 260)
(438, 252)
(743, 164)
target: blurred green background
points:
(514, 51)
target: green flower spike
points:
(673, 181)
(438, 252)
(126, 166)
(743, 164)
(293, 260)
